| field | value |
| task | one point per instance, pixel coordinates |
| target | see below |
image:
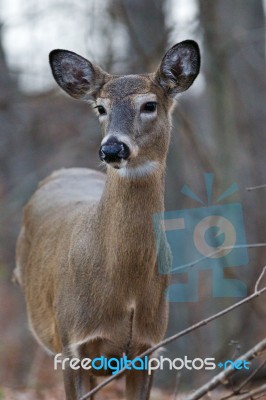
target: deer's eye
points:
(101, 110)
(149, 107)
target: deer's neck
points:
(132, 199)
(126, 211)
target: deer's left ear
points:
(179, 67)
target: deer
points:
(86, 255)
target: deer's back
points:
(67, 187)
(61, 193)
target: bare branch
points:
(245, 382)
(248, 379)
(224, 375)
(178, 377)
(218, 251)
(259, 279)
(237, 348)
(262, 395)
(260, 390)
(255, 187)
(177, 336)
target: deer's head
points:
(134, 110)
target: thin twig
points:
(255, 187)
(234, 357)
(237, 390)
(237, 348)
(262, 395)
(177, 384)
(218, 379)
(177, 336)
(224, 375)
(260, 390)
(248, 379)
(219, 250)
(259, 279)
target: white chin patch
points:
(118, 165)
(139, 171)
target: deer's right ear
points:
(76, 75)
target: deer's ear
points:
(179, 67)
(76, 75)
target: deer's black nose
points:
(114, 152)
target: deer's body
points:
(86, 254)
(58, 222)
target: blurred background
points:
(218, 127)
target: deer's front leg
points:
(88, 383)
(72, 383)
(138, 385)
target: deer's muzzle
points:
(114, 152)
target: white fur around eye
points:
(140, 102)
(148, 115)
